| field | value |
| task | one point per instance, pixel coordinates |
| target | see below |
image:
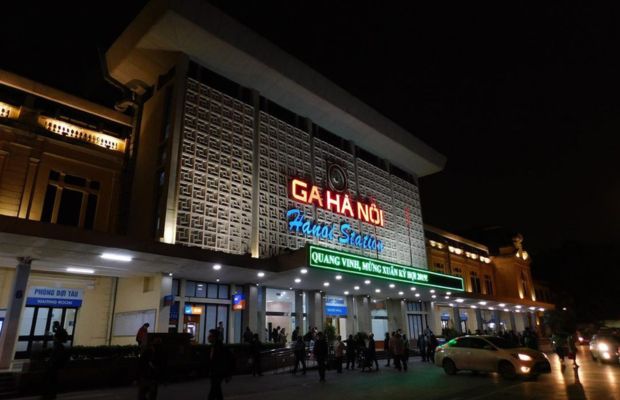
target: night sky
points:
(523, 101)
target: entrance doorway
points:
(35, 330)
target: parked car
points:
(490, 354)
(605, 346)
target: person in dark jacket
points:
(386, 348)
(423, 346)
(432, 345)
(350, 351)
(255, 349)
(320, 354)
(371, 352)
(58, 358)
(299, 350)
(248, 335)
(221, 364)
(150, 370)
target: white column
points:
(315, 309)
(250, 314)
(363, 315)
(8, 336)
(299, 311)
(163, 320)
(457, 319)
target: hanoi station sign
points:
(334, 260)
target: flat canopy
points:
(164, 28)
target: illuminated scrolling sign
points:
(320, 257)
(340, 203)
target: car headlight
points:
(522, 357)
(603, 347)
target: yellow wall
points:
(132, 296)
(6, 282)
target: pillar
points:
(261, 312)
(457, 319)
(363, 315)
(165, 302)
(250, 314)
(181, 322)
(479, 319)
(351, 312)
(299, 311)
(513, 325)
(232, 328)
(8, 337)
(315, 309)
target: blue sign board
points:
(335, 306)
(54, 297)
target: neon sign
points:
(320, 257)
(340, 203)
(298, 223)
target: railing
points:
(82, 134)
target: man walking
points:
(142, 336)
(220, 365)
(350, 352)
(339, 354)
(299, 350)
(386, 348)
(320, 354)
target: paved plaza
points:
(423, 381)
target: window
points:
(457, 271)
(70, 200)
(475, 282)
(488, 283)
(524, 285)
(206, 290)
(438, 267)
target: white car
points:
(490, 354)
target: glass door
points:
(35, 330)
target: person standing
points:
(58, 359)
(320, 354)
(142, 336)
(405, 357)
(572, 350)
(220, 331)
(350, 352)
(221, 365)
(248, 335)
(295, 334)
(339, 354)
(422, 344)
(560, 343)
(396, 347)
(255, 349)
(150, 365)
(371, 352)
(432, 345)
(299, 350)
(386, 348)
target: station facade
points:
(245, 189)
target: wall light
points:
(80, 270)
(116, 257)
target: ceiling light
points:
(401, 293)
(169, 273)
(541, 309)
(367, 282)
(449, 293)
(346, 292)
(505, 309)
(297, 280)
(491, 308)
(356, 288)
(432, 290)
(482, 303)
(374, 301)
(473, 306)
(459, 300)
(80, 270)
(304, 271)
(217, 267)
(412, 289)
(217, 280)
(326, 284)
(338, 277)
(447, 297)
(260, 274)
(502, 305)
(532, 308)
(451, 304)
(517, 306)
(377, 290)
(116, 257)
(392, 286)
(434, 296)
(417, 295)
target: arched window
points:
(475, 282)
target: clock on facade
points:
(336, 178)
